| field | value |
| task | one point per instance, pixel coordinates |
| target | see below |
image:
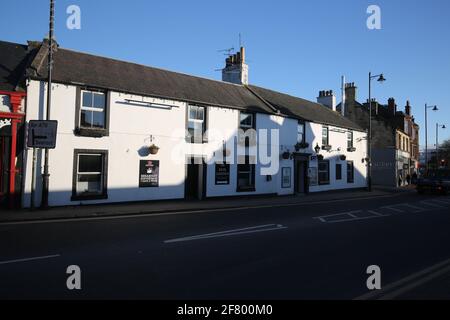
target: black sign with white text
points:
(149, 174)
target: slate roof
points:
(13, 61)
(73, 67)
(76, 68)
(307, 110)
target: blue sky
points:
(297, 47)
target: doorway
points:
(195, 183)
(5, 149)
(301, 174)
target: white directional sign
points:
(42, 134)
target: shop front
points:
(11, 148)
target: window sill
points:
(92, 133)
(90, 197)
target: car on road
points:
(435, 181)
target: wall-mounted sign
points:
(337, 130)
(149, 174)
(313, 177)
(42, 134)
(222, 174)
(286, 177)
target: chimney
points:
(392, 107)
(408, 108)
(350, 92)
(375, 106)
(236, 70)
(328, 99)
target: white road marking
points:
(439, 201)
(349, 213)
(417, 209)
(229, 233)
(401, 286)
(181, 212)
(393, 208)
(378, 214)
(29, 259)
(354, 219)
(433, 205)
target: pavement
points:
(155, 207)
(310, 250)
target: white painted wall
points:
(130, 129)
(338, 140)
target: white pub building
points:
(128, 132)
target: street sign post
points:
(42, 134)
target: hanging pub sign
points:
(149, 174)
(222, 174)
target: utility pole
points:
(435, 108)
(46, 175)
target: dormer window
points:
(247, 121)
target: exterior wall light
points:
(317, 149)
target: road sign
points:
(42, 134)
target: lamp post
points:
(435, 108)
(438, 126)
(46, 174)
(369, 140)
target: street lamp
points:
(435, 108)
(380, 79)
(438, 126)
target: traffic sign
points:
(42, 134)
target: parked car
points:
(435, 181)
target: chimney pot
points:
(243, 54)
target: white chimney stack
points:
(236, 70)
(328, 99)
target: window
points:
(90, 175)
(301, 132)
(247, 126)
(338, 171)
(92, 113)
(196, 124)
(350, 172)
(246, 175)
(324, 172)
(350, 140)
(247, 121)
(325, 137)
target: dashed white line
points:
(29, 259)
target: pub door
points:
(301, 174)
(5, 152)
(195, 179)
